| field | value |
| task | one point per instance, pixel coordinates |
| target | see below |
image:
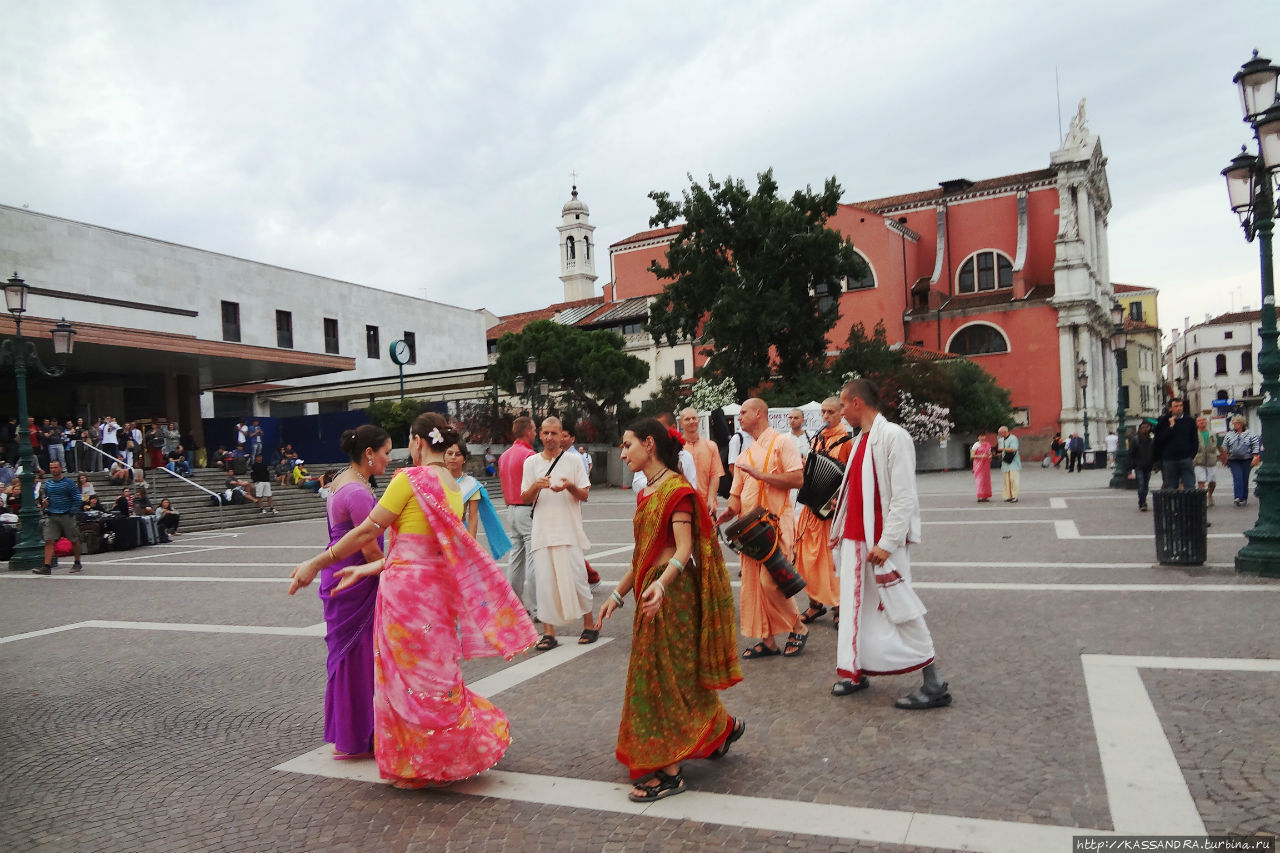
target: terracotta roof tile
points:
(516, 322)
(670, 230)
(1129, 288)
(925, 197)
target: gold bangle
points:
(333, 558)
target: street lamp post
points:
(1120, 478)
(18, 351)
(1082, 376)
(1249, 188)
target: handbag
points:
(1008, 456)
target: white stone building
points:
(1216, 362)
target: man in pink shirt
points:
(519, 514)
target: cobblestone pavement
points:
(154, 724)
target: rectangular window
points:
(986, 271)
(1135, 312)
(331, 335)
(632, 328)
(680, 367)
(412, 340)
(1226, 336)
(372, 347)
(284, 329)
(231, 321)
(1122, 359)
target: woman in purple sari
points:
(348, 692)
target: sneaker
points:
(263, 512)
(44, 570)
(1142, 507)
(76, 568)
(273, 510)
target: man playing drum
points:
(813, 534)
(763, 475)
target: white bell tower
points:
(577, 250)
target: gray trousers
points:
(520, 567)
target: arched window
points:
(1246, 362)
(586, 248)
(1220, 365)
(568, 249)
(978, 339)
(984, 271)
(864, 282)
(1195, 370)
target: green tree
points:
(668, 398)
(588, 368)
(978, 404)
(395, 416)
(742, 275)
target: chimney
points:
(1186, 322)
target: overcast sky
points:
(427, 147)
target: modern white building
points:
(171, 331)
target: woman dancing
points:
(477, 505)
(440, 598)
(348, 618)
(684, 646)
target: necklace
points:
(438, 464)
(654, 481)
(354, 470)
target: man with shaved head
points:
(763, 475)
(555, 484)
(706, 459)
(813, 533)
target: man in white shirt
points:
(556, 485)
(110, 444)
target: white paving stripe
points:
(612, 551)
(491, 685)
(161, 578)
(1096, 587)
(1145, 785)
(204, 549)
(831, 821)
(1057, 503)
(317, 630)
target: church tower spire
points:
(577, 252)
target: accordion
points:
(822, 478)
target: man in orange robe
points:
(763, 475)
(813, 534)
(706, 459)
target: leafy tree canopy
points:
(742, 274)
(589, 368)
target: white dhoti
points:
(869, 641)
(560, 578)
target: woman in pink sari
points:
(980, 453)
(440, 598)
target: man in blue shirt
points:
(61, 502)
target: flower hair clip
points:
(435, 436)
(675, 436)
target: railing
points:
(221, 518)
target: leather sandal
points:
(815, 611)
(547, 643)
(588, 636)
(922, 700)
(848, 687)
(760, 650)
(668, 786)
(795, 644)
(739, 728)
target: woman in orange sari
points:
(684, 645)
(440, 598)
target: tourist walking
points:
(1243, 450)
(1010, 463)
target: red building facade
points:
(1010, 272)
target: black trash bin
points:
(1182, 526)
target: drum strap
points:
(764, 468)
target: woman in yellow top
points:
(440, 598)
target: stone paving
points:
(147, 737)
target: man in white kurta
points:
(556, 485)
(883, 631)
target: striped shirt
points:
(1241, 445)
(63, 496)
